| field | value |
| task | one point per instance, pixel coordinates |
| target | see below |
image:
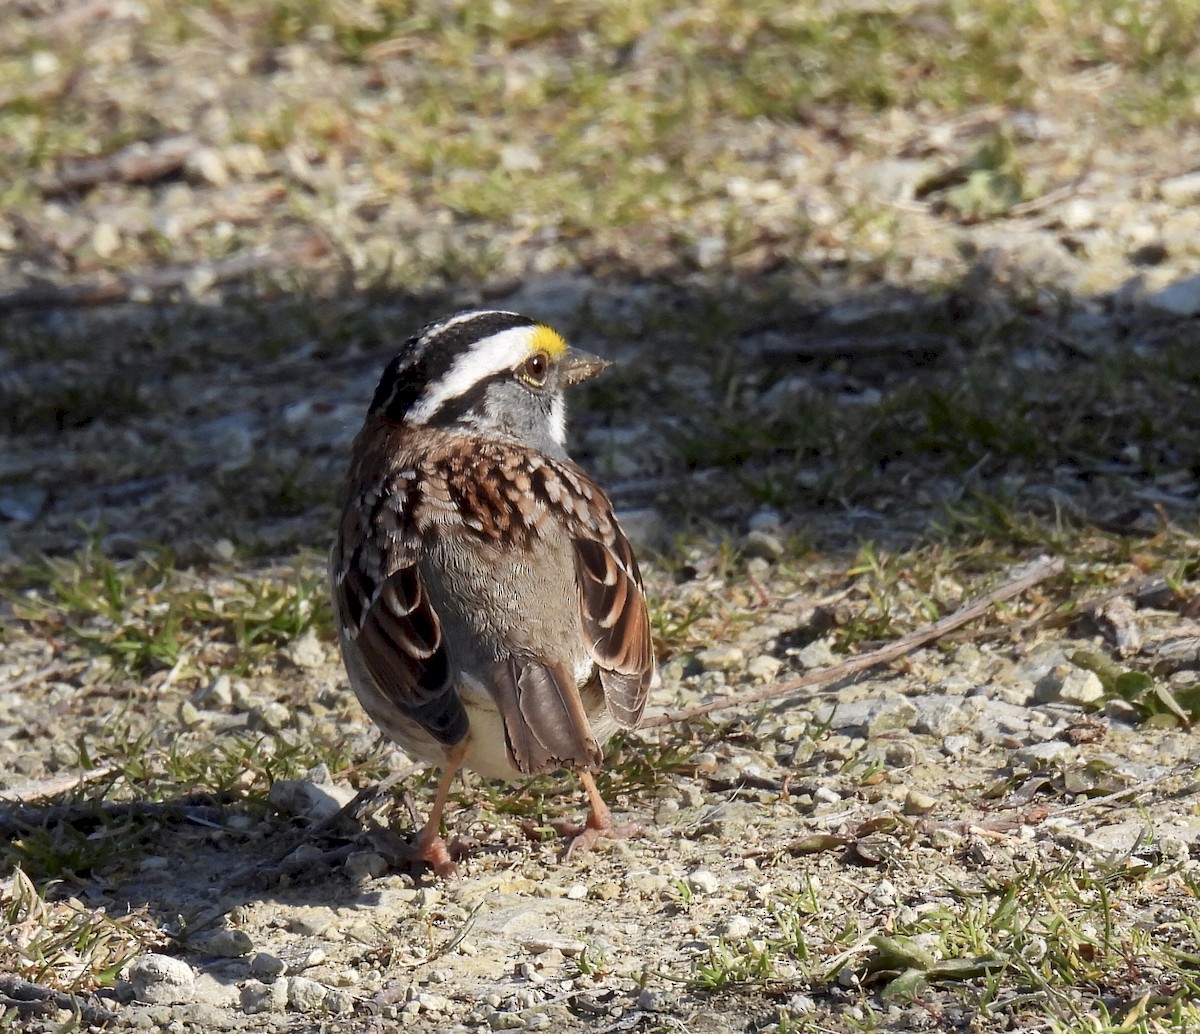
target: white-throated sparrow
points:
(489, 608)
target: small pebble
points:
(764, 545)
(1065, 683)
(541, 942)
(228, 944)
(918, 803)
(206, 165)
(764, 667)
(306, 995)
(217, 693)
(258, 997)
(314, 958)
(667, 812)
(764, 520)
(432, 1003)
(817, 654)
(1040, 755)
(721, 658)
(956, 745)
(736, 928)
(702, 881)
(266, 966)
(365, 865)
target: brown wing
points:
(385, 615)
(616, 622)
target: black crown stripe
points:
(427, 356)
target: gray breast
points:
(493, 605)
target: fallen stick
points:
(140, 162)
(25, 793)
(1037, 572)
(27, 997)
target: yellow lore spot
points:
(548, 340)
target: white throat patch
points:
(558, 420)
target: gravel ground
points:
(783, 845)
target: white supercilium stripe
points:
(501, 351)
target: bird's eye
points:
(535, 369)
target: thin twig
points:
(32, 791)
(1141, 589)
(49, 671)
(140, 162)
(1037, 572)
(25, 995)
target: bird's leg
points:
(429, 846)
(599, 825)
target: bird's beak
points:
(579, 366)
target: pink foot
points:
(430, 848)
(585, 837)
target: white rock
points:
(544, 941)
(306, 652)
(228, 944)
(258, 997)
(956, 745)
(721, 658)
(206, 165)
(427, 898)
(161, 979)
(817, 654)
(271, 716)
(106, 240)
(884, 895)
(764, 667)
(1181, 190)
(1077, 214)
(736, 928)
(765, 520)
(1067, 684)
(519, 158)
(304, 798)
(266, 966)
(1040, 755)
(430, 1002)
(918, 803)
(246, 161)
(306, 995)
(217, 693)
(44, 62)
(703, 882)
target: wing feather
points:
(615, 622)
(390, 622)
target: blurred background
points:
(836, 247)
(901, 293)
